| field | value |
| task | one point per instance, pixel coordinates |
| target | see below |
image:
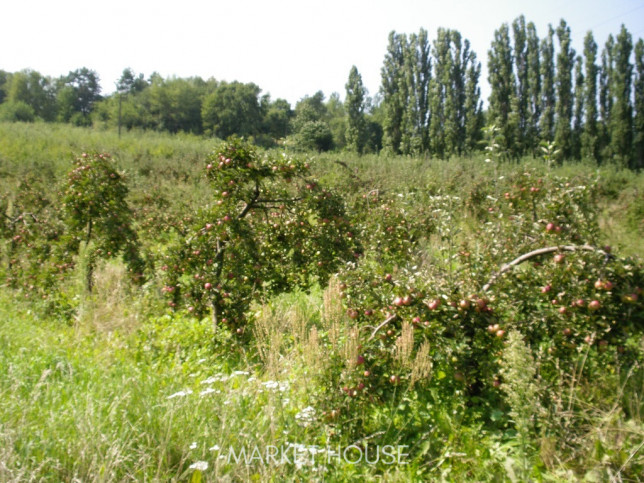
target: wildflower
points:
(306, 416)
(199, 465)
(180, 394)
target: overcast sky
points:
(289, 48)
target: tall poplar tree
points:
(605, 98)
(621, 113)
(422, 73)
(547, 121)
(638, 120)
(534, 88)
(354, 105)
(439, 93)
(578, 114)
(589, 137)
(473, 110)
(394, 92)
(501, 78)
(522, 83)
(563, 82)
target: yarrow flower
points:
(180, 394)
(306, 416)
(199, 465)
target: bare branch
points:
(535, 253)
(386, 321)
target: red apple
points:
(434, 304)
(464, 304)
(594, 305)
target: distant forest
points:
(544, 95)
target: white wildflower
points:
(306, 416)
(207, 391)
(199, 465)
(180, 394)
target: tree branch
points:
(386, 321)
(535, 253)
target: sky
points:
(289, 48)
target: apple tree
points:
(268, 228)
(96, 211)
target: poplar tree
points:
(578, 116)
(422, 74)
(547, 121)
(564, 102)
(638, 121)
(393, 90)
(411, 138)
(605, 99)
(473, 109)
(589, 137)
(534, 88)
(439, 94)
(621, 112)
(522, 83)
(455, 93)
(502, 97)
(354, 105)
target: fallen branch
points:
(536, 253)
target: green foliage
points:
(548, 99)
(17, 111)
(96, 211)
(269, 228)
(354, 104)
(232, 109)
(621, 112)
(503, 96)
(638, 121)
(564, 90)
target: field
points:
(191, 310)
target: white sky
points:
(289, 48)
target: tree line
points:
(588, 105)
(543, 92)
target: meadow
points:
(238, 314)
